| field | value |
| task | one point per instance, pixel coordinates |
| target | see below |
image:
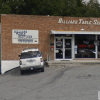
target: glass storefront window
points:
(99, 46)
(85, 46)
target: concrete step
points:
(72, 62)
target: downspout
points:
(50, 47)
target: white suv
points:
(31, 59)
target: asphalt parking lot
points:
(72, 82)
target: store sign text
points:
(80, 21)
(25, 36)
(22, 34)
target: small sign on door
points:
(75, 49)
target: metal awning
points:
(74, 32)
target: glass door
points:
(59, 48)
(68, 49)
(63, 48)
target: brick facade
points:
(44, 24)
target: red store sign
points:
(85, 46)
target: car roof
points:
(31, 49)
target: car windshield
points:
(30, 54)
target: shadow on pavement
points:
(16, 71)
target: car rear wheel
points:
(22, 72)
(42, 69)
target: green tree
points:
(93, 9)
(74, 8)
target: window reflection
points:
(99, 47)
(85, 46)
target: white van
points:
(31, 59)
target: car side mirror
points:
(41, 53)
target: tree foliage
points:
(74, 8)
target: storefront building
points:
(0, 48)
(58, 37)
(76, 45)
